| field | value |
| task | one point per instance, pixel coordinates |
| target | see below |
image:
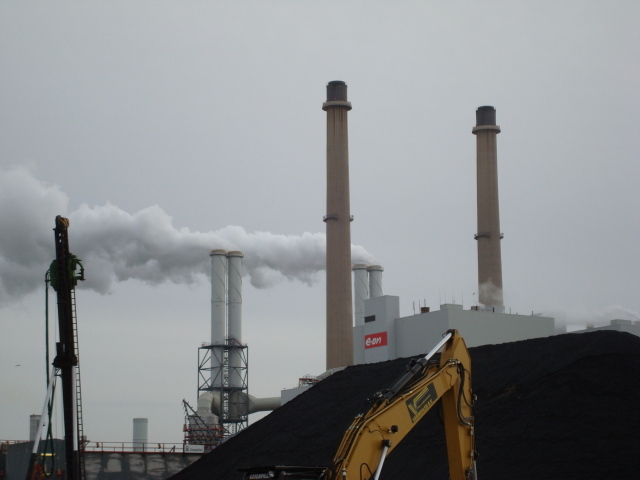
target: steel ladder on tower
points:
(79, 425)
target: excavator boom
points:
(394, 412)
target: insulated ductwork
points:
(255, 405)
(488, 236)
(204, 411)
(360, 291)
(375, 280)
(338, 218)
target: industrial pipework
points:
(338, 218)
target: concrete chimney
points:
(488, 236)
(338, 218)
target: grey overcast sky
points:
(165, 129)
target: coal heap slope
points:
(562, 407)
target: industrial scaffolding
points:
(232, 399)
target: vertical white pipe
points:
(234, 333)
(218, 313)
(360, 291)
(375, 280)
(218, 295)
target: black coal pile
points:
(563, 407)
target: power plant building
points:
(380, 333)
(386, 336)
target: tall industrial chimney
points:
(488, 236)
(338, 218)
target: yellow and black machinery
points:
(394, 412)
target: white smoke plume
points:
(488, 291)
(116, 246)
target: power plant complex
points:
(363, 324)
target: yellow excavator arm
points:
(374, 434)
(394, 412)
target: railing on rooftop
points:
(118, 447)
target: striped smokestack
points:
(338, 218)
(488, 236)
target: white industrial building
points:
(384, 335)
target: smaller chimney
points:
(360, 291)
(375, 280)
(34, 424)
(140, 433)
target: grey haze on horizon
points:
(205, 115)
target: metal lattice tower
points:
(233, 400)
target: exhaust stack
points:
(488, 236)
(360, 291)
(234, 333)
(375, 280)
(338, 218)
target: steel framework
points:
(233, 399)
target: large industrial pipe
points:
(266, 404)
(488, 236)
(360, 291)
(338, 218)
(375, 280)
(218, 315)
(234, 332)
(218, 296)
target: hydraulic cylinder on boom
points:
(395, 411)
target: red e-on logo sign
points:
(375, 340)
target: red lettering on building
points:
(375, 340)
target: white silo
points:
(360, 291)
(375, 280)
